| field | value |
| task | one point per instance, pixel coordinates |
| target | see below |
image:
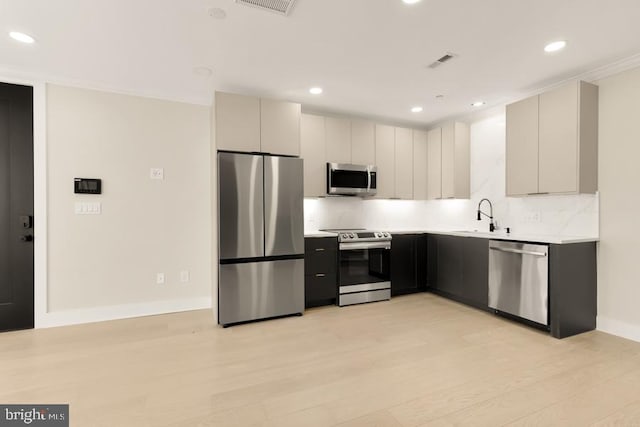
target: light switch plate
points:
(88, 208)
(156, 173)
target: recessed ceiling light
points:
(478, 104)
(21, 37)
(203, 71)
(555, 46)
(315, 90)
(411, 1)
(416, 110)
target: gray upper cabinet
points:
(448, 157)
(403, 163)
(363, 147)
(555, 144)
(522, 147)
(280, 127)
(455, 161)
(434, 164)
(420, 165)
(338, 140)
(312, 146)
(237, 122)
(250, 124)
(385, 161)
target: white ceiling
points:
(370, 56)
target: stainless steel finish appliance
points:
(519, 280)
(261, 237)
(351, 180)
(364, 274)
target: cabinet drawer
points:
(320, 262)
(320, 244)
(320, 286)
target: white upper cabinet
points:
(403, 163)
(280, 127)
(250, 124)
(434, 164)
(338, 139)
(312, 144)
(554, 148)
(237, 122)
(363, 146)
(420, 165)
(385, 161)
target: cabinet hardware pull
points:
(320, 275)
(319, 249)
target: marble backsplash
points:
(558, 215)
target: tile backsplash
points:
(559, 215)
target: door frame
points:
(40, 223)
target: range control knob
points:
(387, 235)
(344, 236)
(352, 235)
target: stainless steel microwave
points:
(351, 180)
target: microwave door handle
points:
(368, 181)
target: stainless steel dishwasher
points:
(519, 280)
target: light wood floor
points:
(416, 360)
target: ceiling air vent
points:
(281, 7)
(446, 57)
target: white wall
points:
(619, 153)
(104, 266)
(575, 215)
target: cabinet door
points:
(558, 143)
(403, 163)
(280, 127)
(403, 264)
(434, 164)
(338, 133)
(449, 265)
(462, 167)
(448, 161)
(385, 160)
(475, 271)
(419, 165)
(312, 142)
(522, 147)
(363, 146)
(237, 122)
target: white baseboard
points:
(619, 328)
(100, 314)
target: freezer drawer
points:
(519, 280)
(259, 290)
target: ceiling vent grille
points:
(446, 57)
(281, 7)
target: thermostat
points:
(87, 186)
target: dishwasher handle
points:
(519, 251)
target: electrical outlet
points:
(535, 217)
(156, 173)
(160, 278)
(184, 276)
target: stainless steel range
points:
(364, 274)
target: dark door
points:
(408, 263)
(16, 207)
(449, 270)
(476, 271)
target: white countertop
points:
(496, 235)
(502, 235)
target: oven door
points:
(365, 263)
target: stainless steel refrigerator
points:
(261, 237)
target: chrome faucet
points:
(492, 225)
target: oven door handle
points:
(354, 246)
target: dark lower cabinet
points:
(320, 270)
(459, 268)
(408, 269)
